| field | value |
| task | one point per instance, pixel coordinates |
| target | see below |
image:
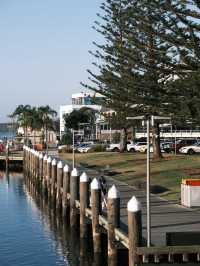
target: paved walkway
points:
(165, 216)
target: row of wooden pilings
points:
(67, 191)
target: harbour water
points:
(30, 233)
(7, 135)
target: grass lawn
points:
(166, 174)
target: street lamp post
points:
(149, 119)
(148, 185)
(73, 140)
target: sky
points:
(44, 48)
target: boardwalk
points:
(166, 216)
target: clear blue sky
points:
(44, 50)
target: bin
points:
(190, 192)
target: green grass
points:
(131, 168)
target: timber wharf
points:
(71, 194)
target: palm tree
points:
(23, 114)
(46, 115)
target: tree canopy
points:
(149, 61)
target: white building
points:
(79, 100)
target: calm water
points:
(30, 235)
(6, 134)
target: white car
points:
(190, 149)
(164, 147)
(113, 147)
(84, 148)
(136, 146)
(116, 147)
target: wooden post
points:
(66, 188)
(53, 182)
(96, 211)
(28, 162)
(24, 159)
(49, 161)
(44, 181)
(74, 195)
(40, 171)
(37, 166)
(134, 229)
(59, 186)
(31, 169)
(31, 164)
(7, 156)
(34, 166)
(33, 174)
(113, 222)
(84, 203)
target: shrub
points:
(67, 138)
(98, 148)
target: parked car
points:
(190, 149)
(164, 147)
(85, 147)
(116, 147)
(136, 146)
(182, 143)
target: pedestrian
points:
(103, 187)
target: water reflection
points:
(33, 234)
(67, 242)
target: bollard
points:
(84, 203)
(53, 182)
(44, 180)
(59, 186)
(49, 161)
(134, 229)
(74, 195)
(96, 211)
(66, 187)
(113, 222)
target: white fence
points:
(174, 134)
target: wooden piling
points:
(113, 211)
(59, 186)
(24, 159)
(44, 181)
(40, 171)
(33, 166)
(66, 188)
(74, 195)
(84, 203)
(37, 168)
(28, 162)
(96, 211)
(49, 161)
(7, 156)
(134, 229)
(53, 182)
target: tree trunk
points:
(123, 139)
(156, 142)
